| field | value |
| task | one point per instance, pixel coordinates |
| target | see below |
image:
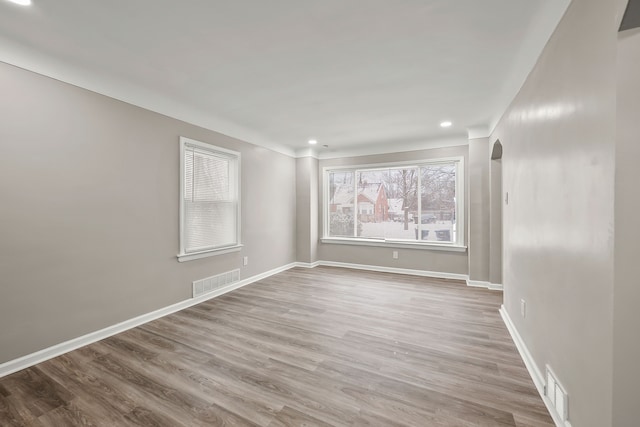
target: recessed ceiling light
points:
(445, 124)
(313, 142)
(21, 2)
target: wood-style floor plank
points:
(313, 347)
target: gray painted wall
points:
(558, 137)
(415, 259)
(89, 212)
(626, 340)
(496, 198)
(479, 209)
(307, 209)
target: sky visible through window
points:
(415, 203)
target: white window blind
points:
(210, 198)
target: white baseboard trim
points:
(75, 343)
(532, 367)
(425, 273)
(396, 270)
(482, 284)
(40, 356)
(307, 264)
(536, 374)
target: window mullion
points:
(419, 193)
(355, 203)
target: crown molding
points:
(307, 152)
(476, 132)
(392, 147)
(95, 81)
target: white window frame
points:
(457, 246)
(219, 151)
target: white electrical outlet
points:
(395, 254)
(245, 260)
(523, 308)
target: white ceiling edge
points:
(29, 59)
(478, 132)
(546, 21)
(22, 57)
(48, 66)
(453, 141)
(307, 152)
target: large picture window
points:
(418, 203)
(209, 200)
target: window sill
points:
(394, 244)
(208, 253)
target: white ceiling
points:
(357, 75)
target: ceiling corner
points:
(475, 132)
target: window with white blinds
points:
(209, 200)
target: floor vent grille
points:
(557, 395)
(213, 283)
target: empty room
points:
(319, 213)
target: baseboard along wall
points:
(487, 285)
(412, 272)
(40, 356)
(75, 343)
(535, 373)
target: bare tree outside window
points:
(341, 204)
(403, 185)
(415, 203)
(438, 201)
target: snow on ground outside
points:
(395, 230)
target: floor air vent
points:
(213, 283)
(557, 395)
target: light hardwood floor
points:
(307, 347)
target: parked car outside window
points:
(424, 219)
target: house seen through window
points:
(416, 203)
